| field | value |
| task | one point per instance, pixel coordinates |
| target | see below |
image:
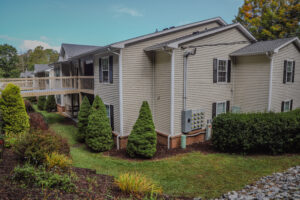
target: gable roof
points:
(196, 35)
(121, 44)
(266, 46)
(41, 68)
(26, 74)
(71, 50)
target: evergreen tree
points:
(41, 102)
(50, 104)
(142, 140)
(83, 115)
(13, 110)
(99, 133)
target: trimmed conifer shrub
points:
(99, 133)
(14, 116)
(41, 102)
(142, 140)
(50, 104)
(83, 119)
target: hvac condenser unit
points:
(192, 120)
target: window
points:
(289, 71)
(57, 71)
(58, 99)
(107, 111)
(105, 69)
(222, 70)
(221, 108)
(287, 105)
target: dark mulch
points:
(164, 152)
(89, 185)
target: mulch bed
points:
(89, 185)
(164, 152)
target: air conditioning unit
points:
(192, 120)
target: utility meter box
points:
(192, 120)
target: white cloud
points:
(6, 37)
(128, 11)
(31, 44)
(44, 38)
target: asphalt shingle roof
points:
(261, 47)
(41, 68)
(76, 49)
(26, 74)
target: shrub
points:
(12, 108)
(31, 176)
(83, 115)
(41, 102)
(142, 140)
(135, 183)
(12, 138)
(58, 162)
(35, 145)
(99, 134)
(50, 104)
(257, 132)
(37, 121)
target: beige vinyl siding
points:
(201, 91)
(138, 72)
(281, 91)
(251, 83)
(162, 92)
(109, 92)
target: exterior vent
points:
(196, 32)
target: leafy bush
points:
(35, 145)
(135, 183)
(12, 138)
(83, 115)
(99, 134)
(31, 176)
(50, 104)
(41, 102)
(257, 132)
(58, 162)
(13, 111)
(37, 121)
(142, 140)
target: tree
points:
(41, 102)
(8, 62)
(50, 104)
(83, 115)
(142, 139)
(270, 19)
(13, 110)
(99, 134)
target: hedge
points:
(270, 133)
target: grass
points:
(192, 174)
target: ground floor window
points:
(107, 111)
(58, 99)
(286, 105)
(221, 108)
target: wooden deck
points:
(44, 86)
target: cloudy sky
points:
(26, 24)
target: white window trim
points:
(108, 80)
(286, 73)
(287, 101)
(219, 102)
(226, 68)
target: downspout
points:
(270, 55)
(172, 98)
(120, 94)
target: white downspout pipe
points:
(172, 98)
(185, 57)
(270, 55)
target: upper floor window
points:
(288, 71)
(221, 71)
(106, 69)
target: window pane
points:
(288, 77)
(104, 64)
(222, 71)
(286, 106)
(107, 111)
(220, 108)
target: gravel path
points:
(284, 185)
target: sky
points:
(26, 24)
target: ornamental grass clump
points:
(134, 183)
(13, 112)
(58, 162)
(83, 119)
(99, 132)
(142, 140)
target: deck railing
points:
(84, 83)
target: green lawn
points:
(192, 174)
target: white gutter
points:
(172, 97)
(270, 55)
